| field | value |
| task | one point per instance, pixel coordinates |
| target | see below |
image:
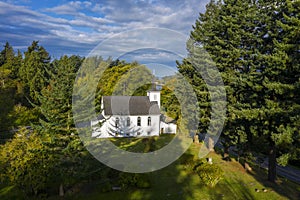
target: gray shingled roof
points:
(129, 105)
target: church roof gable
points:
(129, 105)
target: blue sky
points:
(77, 27)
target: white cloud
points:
(70, 8)
(90, 22)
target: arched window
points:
(139, 121)
(149, 121)
(117, 122)
(128, 121)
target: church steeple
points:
(153, 81)
(154, 94)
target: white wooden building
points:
(131, 116)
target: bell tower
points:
(154, 95)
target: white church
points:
(131, 116)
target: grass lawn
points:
(176, 182)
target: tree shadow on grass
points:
(282, 187)
(178, 181)
(171, 182)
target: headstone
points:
(61, 190)
(209, 160)
(196, 139)
(247, 167)
(114, 188)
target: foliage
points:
(11, 94)
(120, 78)
(210, 174)
(253, 44)
(73, 162)
(135, 180)
(26, 162)
(106, 187)
(23, 116)
(34, 71)
(169, 102)
(173, 182)
(188, 161)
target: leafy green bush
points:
(136, 180)
(127, 179)
(188, 161)
(210, 174)
(106, 187)
(25, 162)
(143, 181)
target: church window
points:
(149, 121)
(128, 121)
(117, 122)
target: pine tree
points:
(8, 88)
(280, 71)
(255, 45)
(226, 32)
(57, 119)
(34, 71)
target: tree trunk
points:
(272, 163)
(61, 190)
(226, 150)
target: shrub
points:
(127, 179)
(106, 187)
(143, 181)
(136, 180)
(25, 162)
(210, 174)
(186, 158)
(189, 162)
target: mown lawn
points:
(177, 182)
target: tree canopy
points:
(255, 46)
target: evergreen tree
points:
(8, 89)
(57, 119)
(255, 45)
(280, 72)
(7, 54)
(7, 58)
(34, 71)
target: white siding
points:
(108, 128)
(154, 96)
(168, 128)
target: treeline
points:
(41, 151)
(255, 45)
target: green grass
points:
(176, 182)
(9, 192)
(142, 144)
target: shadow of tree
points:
(246, 190)
(282, 186)
(6, 107)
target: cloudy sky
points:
(77, 27)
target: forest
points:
(255, 45)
